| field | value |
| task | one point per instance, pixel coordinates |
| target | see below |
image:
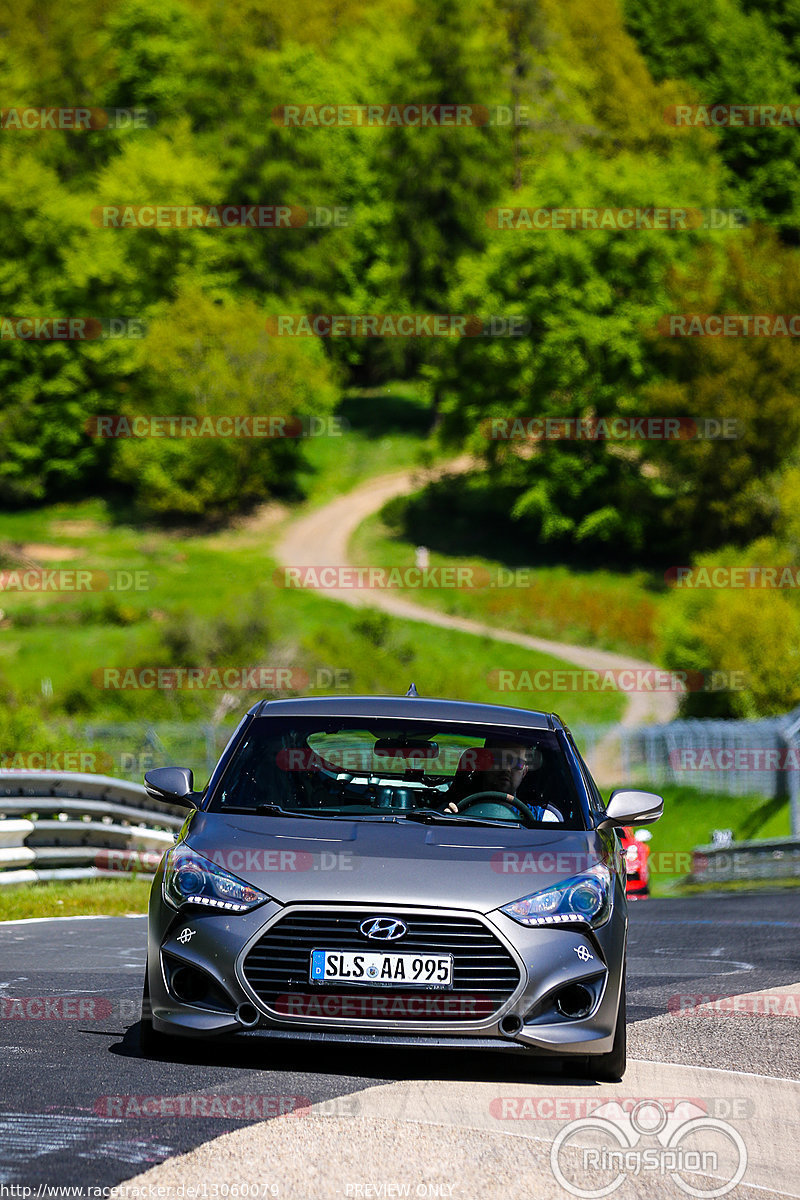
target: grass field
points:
(597, 607)
(689, 817)
(97, 897)
(165, 597)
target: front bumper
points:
(550, 962)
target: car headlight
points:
(583, 899)
(191, 879)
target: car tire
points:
(150, 1041)
(607, 1068)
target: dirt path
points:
(321, 538)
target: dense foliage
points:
(417, 232)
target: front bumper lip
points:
(544, 958)
(573, 1037)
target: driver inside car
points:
(498, 767)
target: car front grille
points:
(277, 968)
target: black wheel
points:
(606, 1068)
(150, 1041)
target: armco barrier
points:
(776, 858)
(64, 825)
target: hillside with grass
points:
(389, 218)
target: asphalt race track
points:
(80, 1106)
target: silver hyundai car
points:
(399, 872)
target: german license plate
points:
(374, 967)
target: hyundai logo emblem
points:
(384, 929)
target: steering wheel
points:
(497, 798)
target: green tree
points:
(718, 491)
(206, 359)
(733, 52)
(747, 637)
(590, 298)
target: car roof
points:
(367, 707)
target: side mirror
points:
(171, 785)
(626, 807)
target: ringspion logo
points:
(592, 1156)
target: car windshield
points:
(388, 770)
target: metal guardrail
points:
(63, 825)
(774, 858)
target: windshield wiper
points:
(432, 816)
(266, 810)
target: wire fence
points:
(131, 748)
(730, 758)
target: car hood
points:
(297, 860)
